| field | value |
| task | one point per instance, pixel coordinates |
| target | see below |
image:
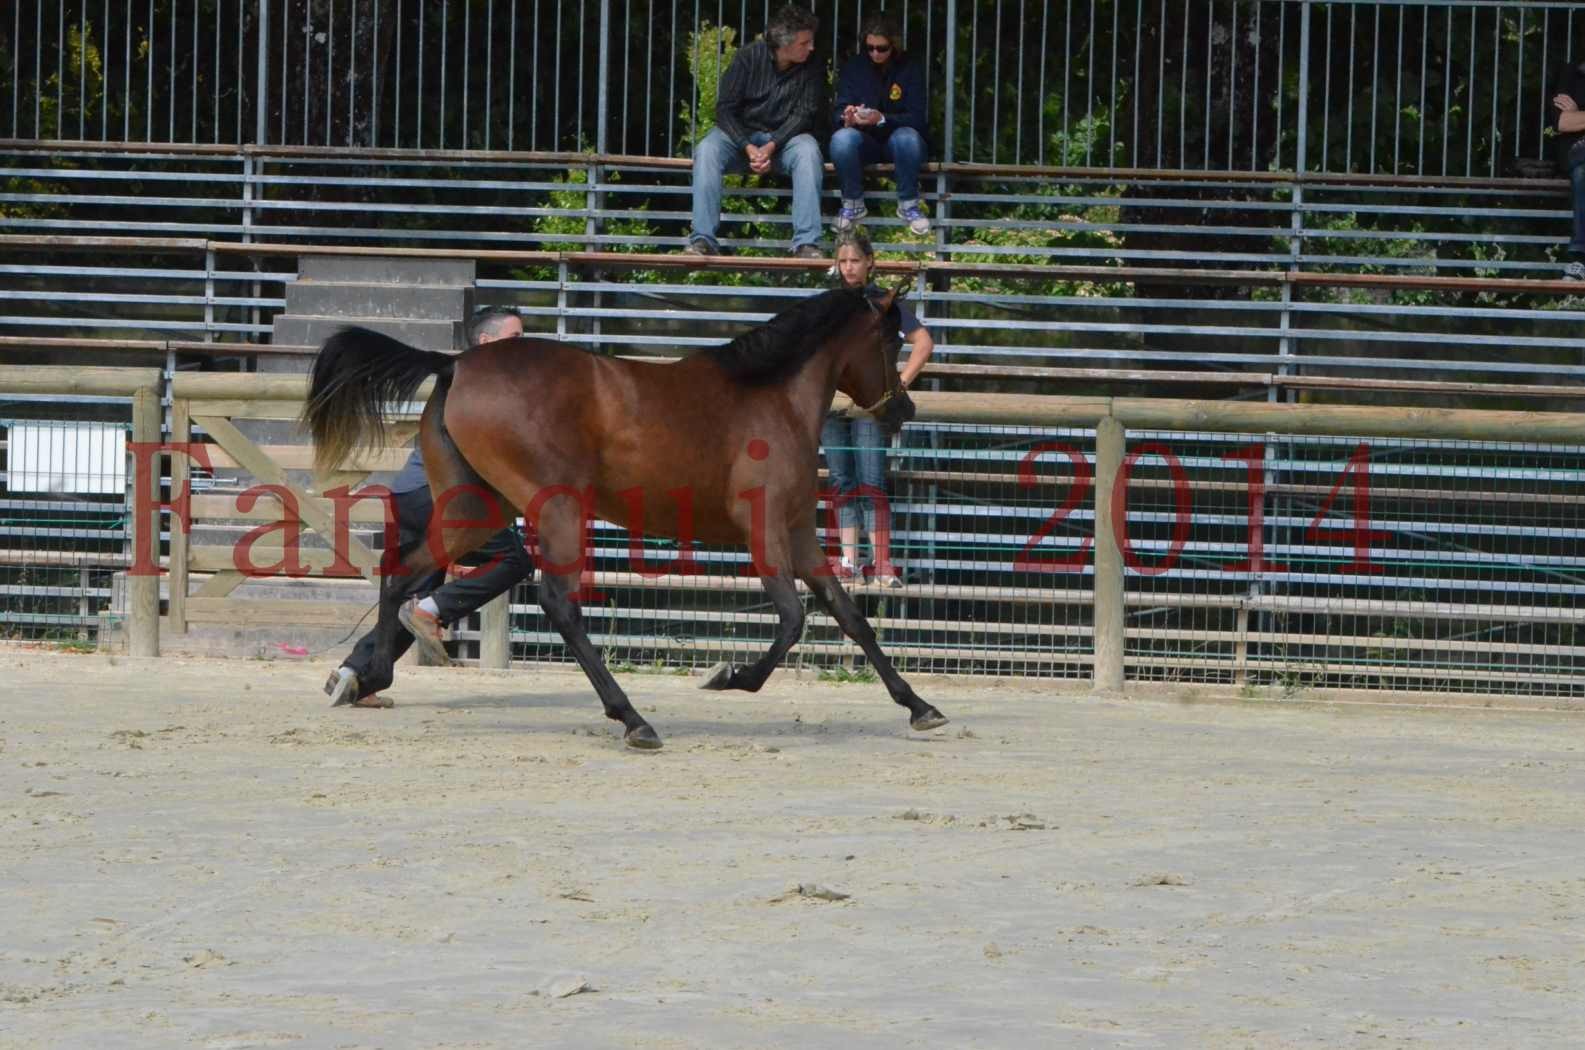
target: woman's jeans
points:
(851, 149)
(800, 159)
(856, 456)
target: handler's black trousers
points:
(460, 596)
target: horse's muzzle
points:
(899, 410)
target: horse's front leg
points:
(561, 544)
(813, 570)
(783, 594)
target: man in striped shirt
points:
(770, 102)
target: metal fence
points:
(63, 516)
(1433, 565)
(1280, 563)
(1434, 87)
(1247, 552)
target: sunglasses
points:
(879, 49)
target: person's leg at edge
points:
(1576, 245)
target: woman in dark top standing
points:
(855, 448)
(880, 116)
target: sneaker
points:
(700, 247)
(375, 701)
(809, 251)
(342, 686)
(425, 628)
(914, 216)
(1574, 271)
(890, 580)
(845, 571)
(851, 213)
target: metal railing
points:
(1270, 334)
(1429, 87)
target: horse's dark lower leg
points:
(829, 593)
(555, 597)
(416, 566)
(783, 594)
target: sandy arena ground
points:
(203, 854)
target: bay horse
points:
(719, 447)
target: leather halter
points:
(894, 382)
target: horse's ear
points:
(901, 291)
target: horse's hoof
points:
(642, 738)
(718, 677)
(931, 719)
(342, 688)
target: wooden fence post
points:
(495, 633)
(1110, 442)
(181, 479)
(143, 588)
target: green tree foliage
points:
(710, 52)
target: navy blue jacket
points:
(897, 89)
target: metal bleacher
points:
(1245, 282)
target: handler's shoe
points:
(1574, 271)
(342, 686)
(891, 580)
(425, 628)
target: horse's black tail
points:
(357, 373)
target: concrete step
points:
(441, 302)
(314, 329)
(377, 269)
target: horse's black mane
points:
(777, 349)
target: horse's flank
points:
(602, 424)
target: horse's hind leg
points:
(812, 569)
(561, 544)
(783, 594)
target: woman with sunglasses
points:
(880, 116)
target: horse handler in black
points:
(498, 565)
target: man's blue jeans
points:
(851, 149)
(799, 159)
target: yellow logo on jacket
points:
(896, 92)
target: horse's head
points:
(869, 375)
